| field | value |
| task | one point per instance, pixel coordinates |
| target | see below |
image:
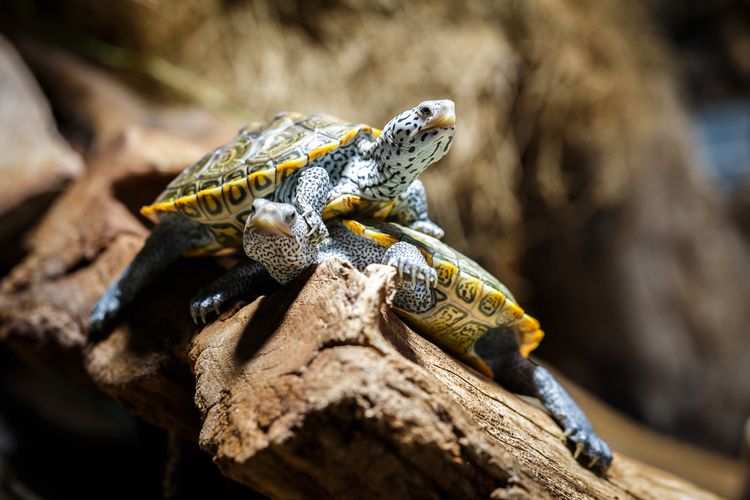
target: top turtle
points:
(322, 165)
(218, 190)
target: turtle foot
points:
(318, 231)
(429, 228)
(410, 269)
(203, 305)
(588, 449)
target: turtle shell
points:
(469, 301)
(219, 189)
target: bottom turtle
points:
(442, 294)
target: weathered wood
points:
(35, 163)
(319, 390)
(314, 390)
(34, 157)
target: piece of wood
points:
(35, 159)
(35, 163)
(317, 389)
(91, 233)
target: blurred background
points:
(601, 169)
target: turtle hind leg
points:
(171, 237)
(499, 349)
(246, 275)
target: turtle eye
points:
(290, 216)
(425, 110)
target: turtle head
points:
(418, 137)
(276, 236)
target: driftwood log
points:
(314, 390)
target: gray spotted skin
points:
(406, 147)
(246, 275)
(413, 289)
(405, 152)
(333, 164)
(310, 195)
(286, 257)
(411, 211)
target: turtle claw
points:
(204, 304)
(579, 449)
(429, 278)
(415, 273)
(318, 231)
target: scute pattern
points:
(219, 189)
(468, 300)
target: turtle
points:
(325, 166)
(442, 294)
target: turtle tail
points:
(529, 334)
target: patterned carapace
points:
(218, 190)
(468, 301)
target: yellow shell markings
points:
(219, 189)
(348, 204)
(469, 300)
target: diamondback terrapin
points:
(313, 161)
(442, 294)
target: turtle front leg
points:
(246, 275)
(411, 210)
(523, 376)
(410, 264)
(171, 237)
(416, 284)
(310, 198)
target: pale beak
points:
(269, 220)
(444, 117)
